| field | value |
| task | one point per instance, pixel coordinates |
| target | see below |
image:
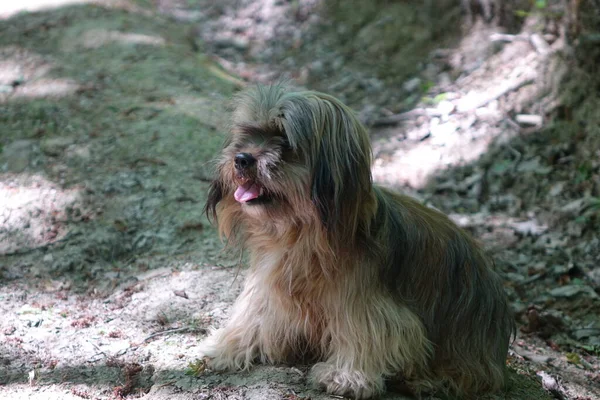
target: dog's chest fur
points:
(294, 283)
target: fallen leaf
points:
(573, 358)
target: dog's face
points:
(262, 174)
(292, 158)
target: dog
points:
(369, 284)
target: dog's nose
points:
(244, 160)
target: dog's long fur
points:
(369, 283)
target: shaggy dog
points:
(370, 284)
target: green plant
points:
(196, 368)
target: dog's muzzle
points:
(248, 191)
(244, 161)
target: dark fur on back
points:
(448, 281)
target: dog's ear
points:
(341, 166)
(323, 190)
(215, 195)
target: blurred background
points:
(111, 112)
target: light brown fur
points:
(369, 283)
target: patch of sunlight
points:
(13, 71)
(501, 230)
(95, 38)
(531, 226)
(47, 88)
(413, 166)
(18, 65)
(33, 211)
(458, 121)
(20, 391)
(8, 8)
(23, 74)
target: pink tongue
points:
(247, 192)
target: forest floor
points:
(111, 112)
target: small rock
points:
(529, 119)
(48, 258)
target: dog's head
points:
(292, 158)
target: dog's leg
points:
(372, 338)
(259, 329)
(236, 345)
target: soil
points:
(110, 115)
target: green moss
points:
(126, 89)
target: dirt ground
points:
(110, 115)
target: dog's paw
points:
(221, 364)
(220, 361)
(223, 354)
(341, 382)
(209, 346)
(215, 351)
